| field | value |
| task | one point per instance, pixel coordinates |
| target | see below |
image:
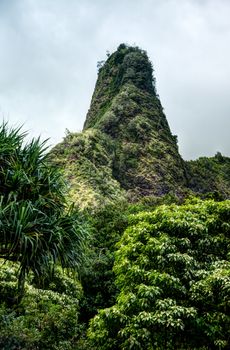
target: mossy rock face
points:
(126, 149)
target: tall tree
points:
(37, 229)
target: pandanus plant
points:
(37, 229)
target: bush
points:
(44, 319)
(172, 268)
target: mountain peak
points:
(133, 66)
(126, 149)
(127, 66)
(126, 108)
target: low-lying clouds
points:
(50, 49)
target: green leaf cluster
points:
(173, 272)
(45, 318)
(37, 229)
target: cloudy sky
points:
(48, 63)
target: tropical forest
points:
(110, 240)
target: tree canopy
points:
(173, 271)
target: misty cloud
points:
(50, 49)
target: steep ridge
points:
(126, 149)
(125, 107)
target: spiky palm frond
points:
(36, 229)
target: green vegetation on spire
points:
(126, 123)
(127, 65)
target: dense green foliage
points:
(39, 233)
(36, 227)
(173, 271)
(45, 318)
(212, 174)
(97, 277)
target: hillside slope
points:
(126, 149)
(210, 174)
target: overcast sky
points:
(49, 51)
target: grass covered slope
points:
(86, 160)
